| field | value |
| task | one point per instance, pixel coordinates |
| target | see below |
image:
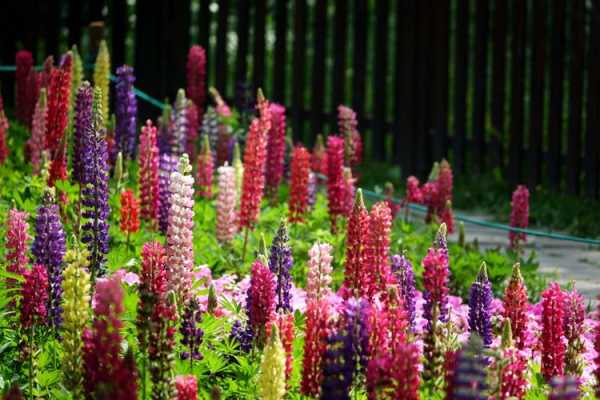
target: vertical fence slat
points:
(499, 82)
(593, 103)
(179, 45)
(380, 79)
(555, 116)
(298, 68)
(260, 16)
(339, 63)
(461, 62)
(536, 111)
(517, 90)
(480, 74)
(439, 102)
(318, 72)
(221, 56)
(243, 33)
(404, 87)
(360, 58)
(204, 21)
(577, 45)
(423, 87)
(279, 61)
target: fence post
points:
(480, 85)
(499, 82)
(340, 47)
(260, 16)
(118, 33)
(380, 79)
(359, 61)
(461, 77)
(298, 71)
(318, 72)
(221, 70)
(593, 103)
(280, 58)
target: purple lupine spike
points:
(167, 165)
(126, 113)
(405, 276)
(82, 125)
(312, 189)
(243, 335)
(191, 333)
(564, 388)
(49, 248)
(469, 379)
(280, 264)
(480, 301)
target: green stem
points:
(245, 244)
(31, 350)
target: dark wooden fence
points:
(507, 84)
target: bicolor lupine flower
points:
(356, 274)
(204, 172)
(553, 346)
(315, 344)
(34, 297)
(469, 377)
(180, 246)
(58, 105)
(271, 377)
(515, 306)
(280, 264)
(191, 333)
(318, 277)
(335, 179)
(102, 77)
(193, 129)
(187, 387)
(125, 113)
(167, 165)
(435, 283)
(37, 141)
(152, 289)
(480, 302)
(226, 200)
(260, 303)
(275, 149)
(348, 129)
(77, 314)
(196, 77)
(573, 332)
(299, 178)
(285, 326)
(405, 277)
(17, 238)
(254, 175)
(178, 137)
(95, 192)
(378, 248)
(318, 161)
(49, 248)
(148, 175)
(81, 131)
(130, 207)
(108, 374)
(24, 102)
(519, 216)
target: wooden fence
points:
(508, 84)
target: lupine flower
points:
(280, 264)
(49, 248)
(318, 277)
(180, 124)
(597, 348)
(315, 343)
(242, 334)
(238, 166)
(24, 103)
(445, 187)
(81, 127)
(285, 325)
(349, 191)
(515, 306)
(34, 297)
(312, 189)
(167, 165)
(102, 77)
(95, 192)
(405, 276)
(271, 377)
(564, 388)
(191, 333)
(260, 303)
(58, 167)
(435, 283)
(180, 246)
(225, 205)
(356, 274)
(405, 372)
(37, 141)
(130, 206)
(573, 332)
(275, 148)
(77, 314)
(4, 125)
(513, 366)
(187, 387)
(254, 177)
(46, 72)
(193, 128)
(58, 105)
(148, 177)
(519, 216)
(319, 157)
(389, 199)
(480, 301)
(469, 377)
(413, 192)
(165, 129)
(378, 248)
(205, 170)
(300, 170)
(348, 129)
(220, 106)
(553, 347)
(17, 236)
(107, 373)
(211, 127)
(225, 143)
(335, 178)
(196, 77)
(126, 113)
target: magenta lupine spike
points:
(17, 238)
(204, 172)
(519, 216)
(275, 149)
(196, 77)
(335, 179)
(148, 174)
(24, 103)
(37, 141)
(553, 346)
(573, 332)
(378, 248)
(435, 282)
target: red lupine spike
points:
(515, 306)
(148, 176)
(130, 222)
(356, 274)
(300, 170)
(254, 176)
(315, 344)
(335, 178)
(553, 346)
(378, 250)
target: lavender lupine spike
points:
(126, 113)
(280, 264)
(405, 276)
(95, 192)
(480, 301)
(180, 124)
(167, 165)
(49, 248)
(82, 125)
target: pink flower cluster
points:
(519, 216)
(225, 205)
(148, 177)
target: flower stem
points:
(245, 244)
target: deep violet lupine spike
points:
(480, 301)
(49, 248)
(81, 128)
(126, 113)
(405, 276)
(280, 264)
(191, 334)
(564, 388)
